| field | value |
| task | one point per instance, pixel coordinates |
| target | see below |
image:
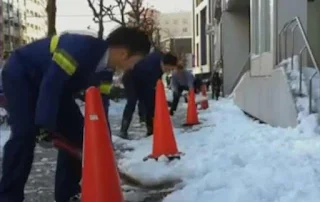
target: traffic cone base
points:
(170, 157)
(192, 114)
(164, 142)
(191, 124)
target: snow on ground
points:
(235, 159)
(4, 136)
(116, 108)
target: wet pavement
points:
(40, 186)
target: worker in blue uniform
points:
(146, 73)
(39, 81)
(132, 99)
(102, 79)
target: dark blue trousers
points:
(21, 94)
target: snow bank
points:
(232, 158)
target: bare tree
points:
(120, 6)
(99, 14)
(146, 19)
(132, 13)
(51, 10)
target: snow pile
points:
(234, 159)
(302, 101)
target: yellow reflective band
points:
(105, 88)
(65, 61)
(54, 43)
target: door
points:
(262, 34)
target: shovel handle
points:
(62, 144)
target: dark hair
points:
(132, 38)
(169, 59)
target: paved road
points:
(40, 184)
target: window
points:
(203, 36)
(197, 23)
(197, 55)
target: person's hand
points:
(115, 92)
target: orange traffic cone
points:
(192, 114)
(204, 103)
(100, 177)
(164, 142)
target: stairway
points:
(302, 98)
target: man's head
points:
(169, 62)
(126, 46)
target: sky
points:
(76, 14)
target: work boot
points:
(76, 198)
(171, 112)
(123, 135)
(149, 124)
(124, 129)
(185, 98)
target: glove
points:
(44, 139)
(115, 92)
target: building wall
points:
(313, 29)
(175, 25)
(268, 99)
(235, 37)
(266, 92)
(36, 21)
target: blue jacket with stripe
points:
(51, 79)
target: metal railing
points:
(291, 27)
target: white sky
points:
(76, 14)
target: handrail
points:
(297, 24)
(245, 68)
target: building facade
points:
(202, 49)
(13, 25)
(175, 25)
(252, 47)
(176, 32)
(36, 20)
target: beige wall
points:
(235, 39)
(268, 98)
(313, 29)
